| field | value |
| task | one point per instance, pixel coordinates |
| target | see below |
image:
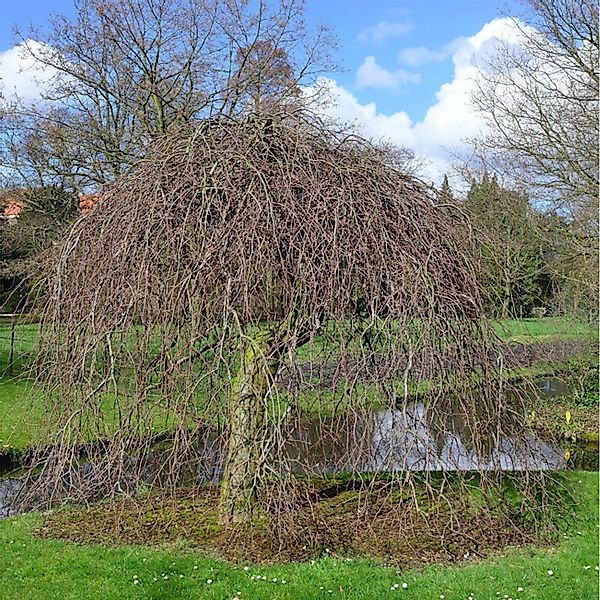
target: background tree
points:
(512, 254)
(128, 71)
(538, 93)
(43, 217)
(264, 79)
(571, 264)
(445, 190)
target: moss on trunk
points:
(248, 408)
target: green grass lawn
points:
(21, 414)
(546, 329)
(23, 420)
(24, 339)
(35, 569)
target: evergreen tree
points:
(445, 190)
(512, 255)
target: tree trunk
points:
(248, 427)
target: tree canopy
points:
(123, 72)
(250, 274)
(538, 93)
(513, 254)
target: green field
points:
(18, 341)
(33, 568)
(544, 330)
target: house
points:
(13, 207)
(87, 202)
(12, 203)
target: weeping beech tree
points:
(248, 294)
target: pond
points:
(409, 439)
(389, 440)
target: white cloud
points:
(366, 118)
(415, 57)
(447, 122)
(372, 74)
(385, 30)
(371, 123)
(19, 74)
(420, 55)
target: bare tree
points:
(538, 93)
(127, 71)
(272, 80)
(246, 277)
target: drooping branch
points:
(252, 276)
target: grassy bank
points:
(33, 568)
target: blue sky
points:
(403, 63)
(416, 23)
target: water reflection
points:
(552, 388)
(9, 488)
(411, 439)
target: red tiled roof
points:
(87, 202)
(13, 207)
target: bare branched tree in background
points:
(539, 96)
(126, 72)
(538, 93)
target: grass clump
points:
(440, 519)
